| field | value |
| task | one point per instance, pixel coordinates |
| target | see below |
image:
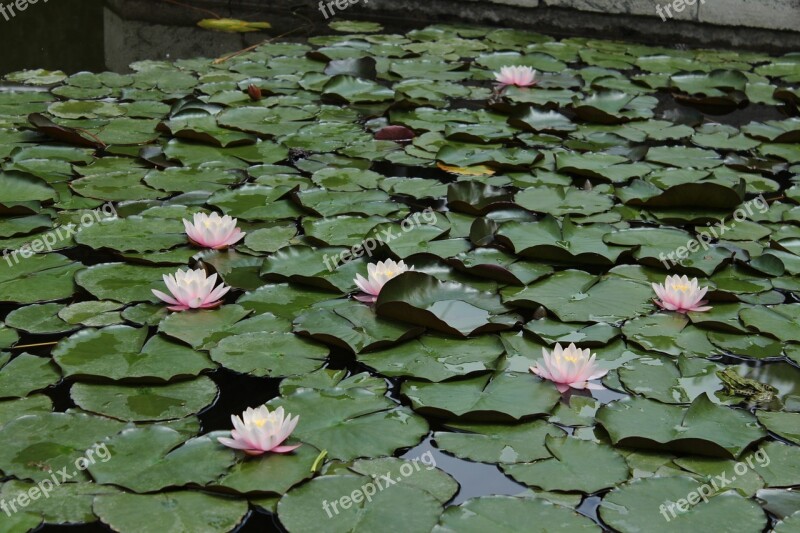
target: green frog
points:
(735, 384)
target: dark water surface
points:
(99, 35)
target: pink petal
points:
(164, 297)
(254, 452)
(285, 449)
(366, 298)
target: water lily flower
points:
(213, 231)
(378, 275)
(259, 431)
(681, 294)
(569, 367)
(191, 289)
(517, 75)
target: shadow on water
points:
(28, 39)
(94, 35)
(474, 479)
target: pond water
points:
(554, 206)
(95, 35)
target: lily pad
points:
(497, 443)
(570, 458)
(146, 403)
(512, 514)
(703, 428)
(436, 358)
(121, 353)
(286, 354)
(35, 446)
(503, 397)
(180, 510)
(351, 417)
(24, 374)
(449, 307)
(167, 462)
(636, 506)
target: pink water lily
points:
(569, 367)
(191, 289)
(520, 76)
(681, 294)
(377, 276)
(259, 431)
(213, 231)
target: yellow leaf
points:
(232, 25)
(477, 170)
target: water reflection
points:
(98, 35)
(474, 479)
(66, 35)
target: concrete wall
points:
(766, 14)
(769, 25)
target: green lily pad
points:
(436, 358)
(572, 457)
(286, 354)
(783, 424)
(206, 327)
(497, 443)
(24, 374)
(91, 314)
(778, 465)
(351, 418)
(576, 296)
(637, 506)
(179, 510)
(146, 403)
(512, 514)
(355, 26)
(121, 353)
(37, 278)
(351, 325)
(348, 509)
(658, 378)
(282, 299)
(65, 502)
(564, 201)
(449, 307)
(779, 321)
(561, 242)
(38, 319)
(35, 446)
(703, 428)
(136, 234)
(30, 405)
(123, 283)
(502, 397)
(151, 458)
(272, 473)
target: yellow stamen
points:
(260, 422)
(680, 287)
